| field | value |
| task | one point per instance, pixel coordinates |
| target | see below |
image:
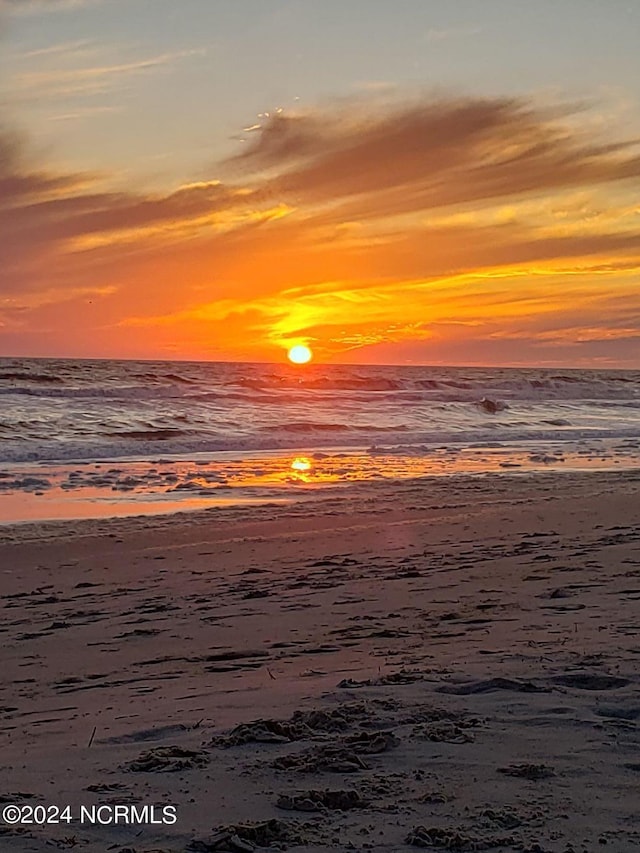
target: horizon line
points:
(311, 364)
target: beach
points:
(437, 663)
(319, 426)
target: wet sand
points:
(33, 491)
(444, 664)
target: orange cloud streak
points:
(471, 229)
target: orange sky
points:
(381, 228)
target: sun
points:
(301, 463)
(300, 354)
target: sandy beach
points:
(445, 664)
(319, 426)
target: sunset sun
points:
(300, 354)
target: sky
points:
(385, 181)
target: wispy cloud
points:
(63, 82)
(30, 7)
(83, 113)
(74, 48)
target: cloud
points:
(361, 226)
(96, 79)
(30, 7)
(20, 183)
(431, 155)
(80, 46)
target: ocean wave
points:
(581, 385)
(146, 448)
(152, 434)
(310, 426)
(491, 406)
(553, 387)
(174, 377)
(161, 378)
(287, 389)
(25, 376)
(322, 383)
(134, 392)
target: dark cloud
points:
(18, 181)
(42, 209)
(428, 155)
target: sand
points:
(449, 664)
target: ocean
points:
(234, 431)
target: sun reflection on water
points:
(301, 471)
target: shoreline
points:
(45, 491)
(330, 503)
(489, 623)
